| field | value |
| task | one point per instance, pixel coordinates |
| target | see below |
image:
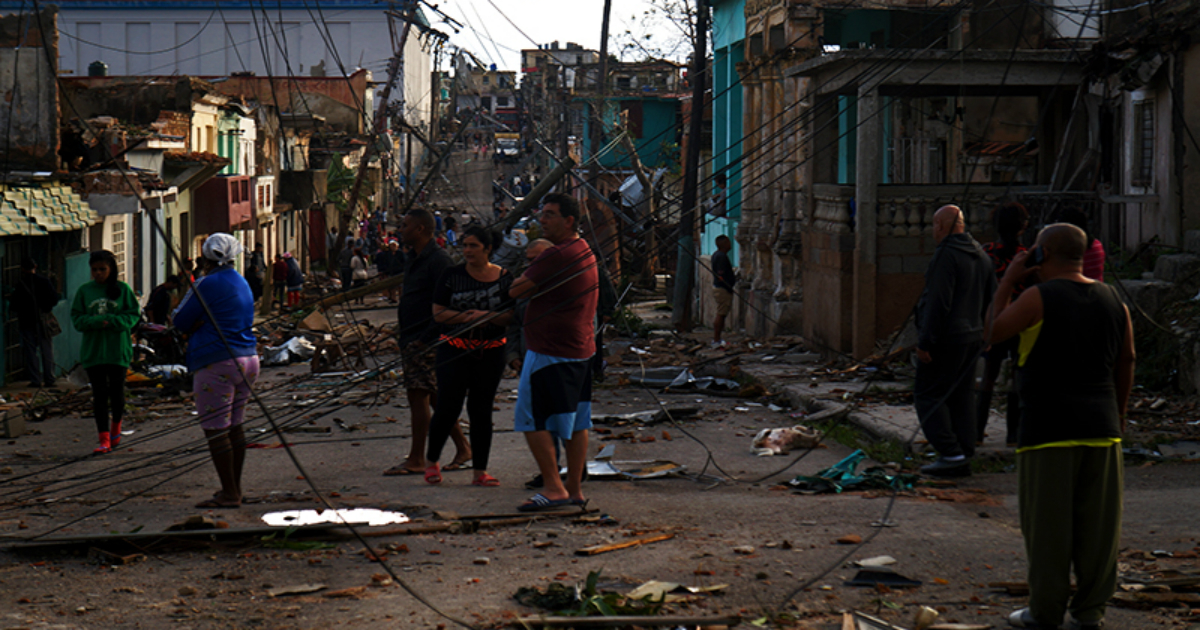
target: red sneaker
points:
(114, 435)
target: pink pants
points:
(222, 389)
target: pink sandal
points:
(433, 474)
(485, 480)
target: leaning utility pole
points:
(380, 126)
(598, 105)
(685, 264)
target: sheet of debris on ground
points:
(739, 486)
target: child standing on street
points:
(105, 310)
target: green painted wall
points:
(68, 344)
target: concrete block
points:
(1191, 242)
(1149, 295)
(916, 264)
(12, 423)
(891, 264)
(1178, 268)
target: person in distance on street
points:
(1076, 372)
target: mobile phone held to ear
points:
(1035, 257)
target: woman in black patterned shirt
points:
(472, 304)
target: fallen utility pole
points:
(363, 291)
(621, 621)
(433, 168)
(531, 200)
(685, 262)
(649, 264)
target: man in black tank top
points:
(1075, 374)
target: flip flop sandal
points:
(400, 471)
(456, 465)
(213, 504)
(433, 475)
(538, 502)
(485, 480)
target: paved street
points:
(732, 521)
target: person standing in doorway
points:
(959, 284)
(32, 299)
(724, 281)
(105, 310)
(423, 267)
(218, 313)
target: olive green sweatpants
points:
(1070, 502)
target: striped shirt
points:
(1093, 261)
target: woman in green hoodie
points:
(105, 310)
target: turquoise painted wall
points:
(658, 144)
(68, 344)
(729, 34)
(847, 146)
(728, 22)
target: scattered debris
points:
(876, 576)
(299, 589)
(357, 516)
(671, 592)
(296, 349)
(645, 540)
(647, 417)
(770, 442)
(841, 477)
(877, 561)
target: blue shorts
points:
(555, 395)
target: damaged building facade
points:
(41, 215)
(858, 120)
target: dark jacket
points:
(33, 295)
(422, 270)
(959, 285)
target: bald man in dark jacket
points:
(959, 285)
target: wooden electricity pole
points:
(685, 265)
(598, 105)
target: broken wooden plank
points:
(598, 549)
(617, 621)
(1145, 600)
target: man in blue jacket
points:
(959, 284)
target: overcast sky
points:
(488, 34)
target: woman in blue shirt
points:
(222, 355)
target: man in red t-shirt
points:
(554, 396)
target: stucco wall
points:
(30, 112)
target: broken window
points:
(1143, 144)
